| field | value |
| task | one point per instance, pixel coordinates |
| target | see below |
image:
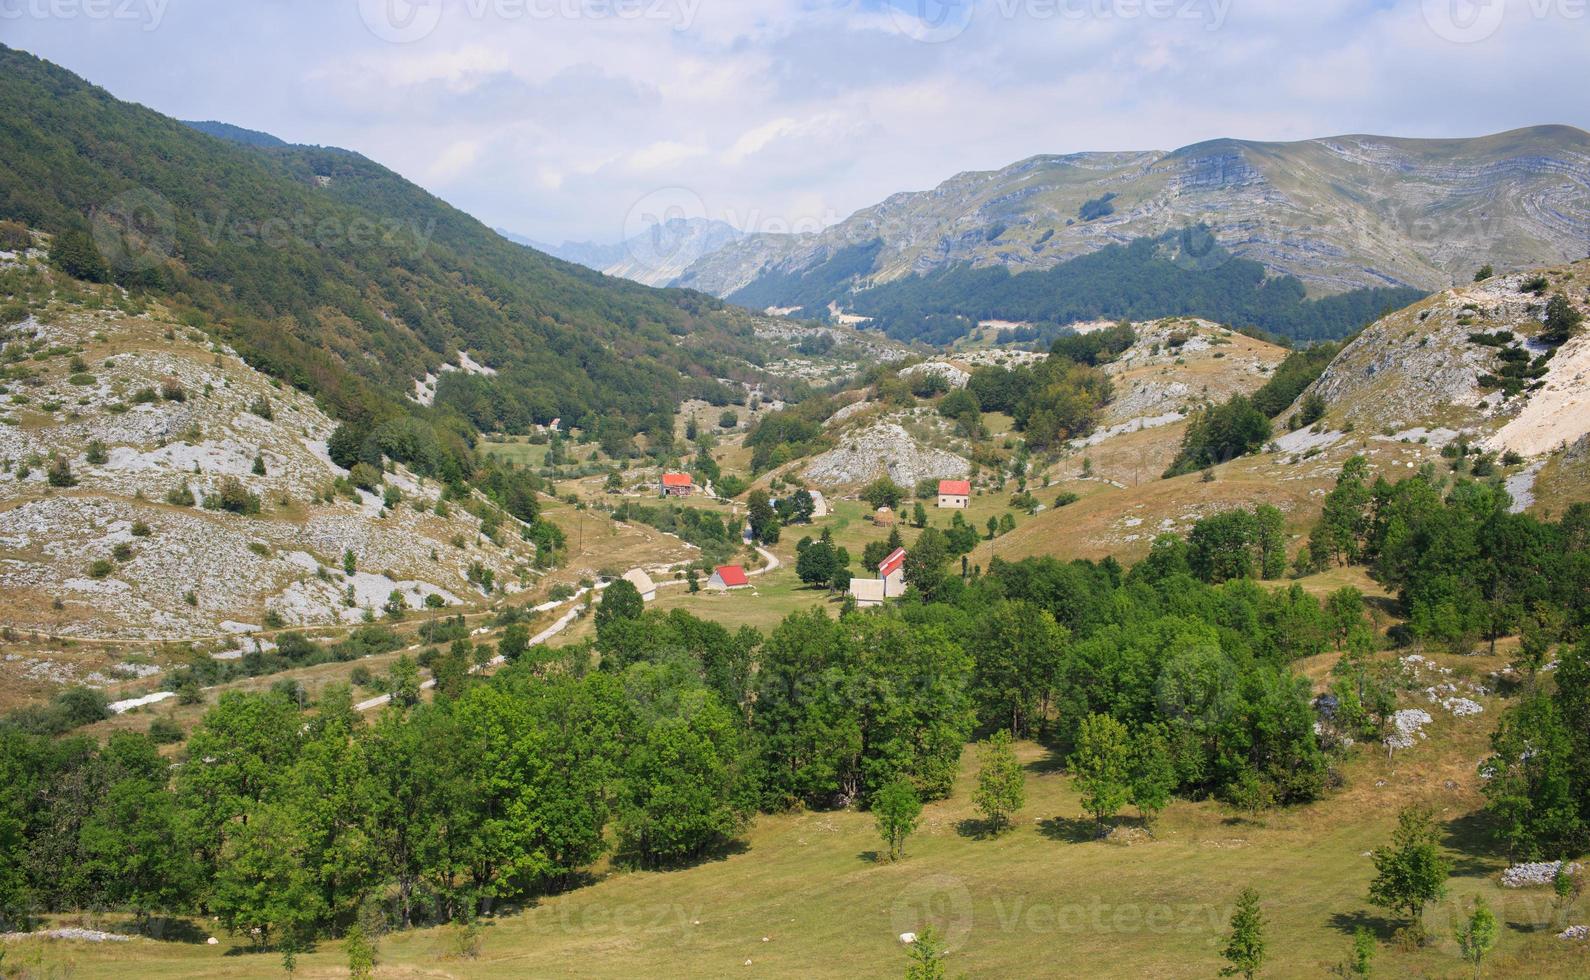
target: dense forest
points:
(335, 274)
(658, 740)
(1181, 273)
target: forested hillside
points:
(334, 273)
(1179, 274)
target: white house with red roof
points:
(955, 494)
(890, 583)
(892, 571)
(677, 485)
(728, 577)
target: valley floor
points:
(804, 896)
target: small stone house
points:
(955, 494)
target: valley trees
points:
(896, 810)
(1411, 871)
(1001, 783)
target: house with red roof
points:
(892, 571)
(677, 485)
(955, 494)
(728, 577)
(890, 583)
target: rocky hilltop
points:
(1441, 364)
(155, 486)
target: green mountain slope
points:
(331, 271)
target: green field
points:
(1044, 899)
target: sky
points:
(583, 119)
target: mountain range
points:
(1339, 214)
(657, 256)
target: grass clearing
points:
(805, 897)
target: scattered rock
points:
(81, 935)
(1534, 873)
(1409, 724)
(1575, 933)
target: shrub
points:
(140, 529)
(100, 568)
(14, 237)
(172, 391)
(364, 476)
(97, 454)
(261, 406)
(122, 552)
(60, 473)
(233, 497)
(164, 731)
(180, 496)
(145, 396)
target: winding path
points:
(562, 623)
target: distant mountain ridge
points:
(235, 134)
(655, 257)
(1340, 214)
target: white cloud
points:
(800, 111)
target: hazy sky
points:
(576, 118)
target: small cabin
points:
(677, 485)
(642, 583)
(868, 592)
(955, 494)
(892, 571)
(726, 578)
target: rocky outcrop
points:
(885, 449)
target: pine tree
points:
(1245, 947)
(927, 957)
